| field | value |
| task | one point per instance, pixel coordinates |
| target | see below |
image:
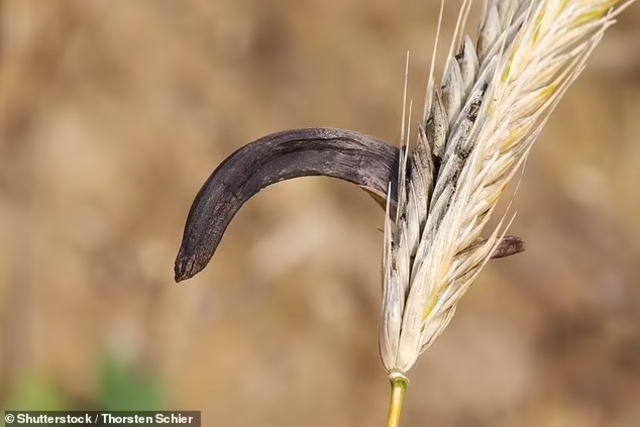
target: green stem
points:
(399, 385)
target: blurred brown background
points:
(113, 113)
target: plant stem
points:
(399, 385)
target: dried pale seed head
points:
(477, 130)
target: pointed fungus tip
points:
(185, 269)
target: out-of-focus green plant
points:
(124, 388)
(36, 393)
(121, 387)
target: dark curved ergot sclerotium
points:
(368, 162)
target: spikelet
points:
(475, 133)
